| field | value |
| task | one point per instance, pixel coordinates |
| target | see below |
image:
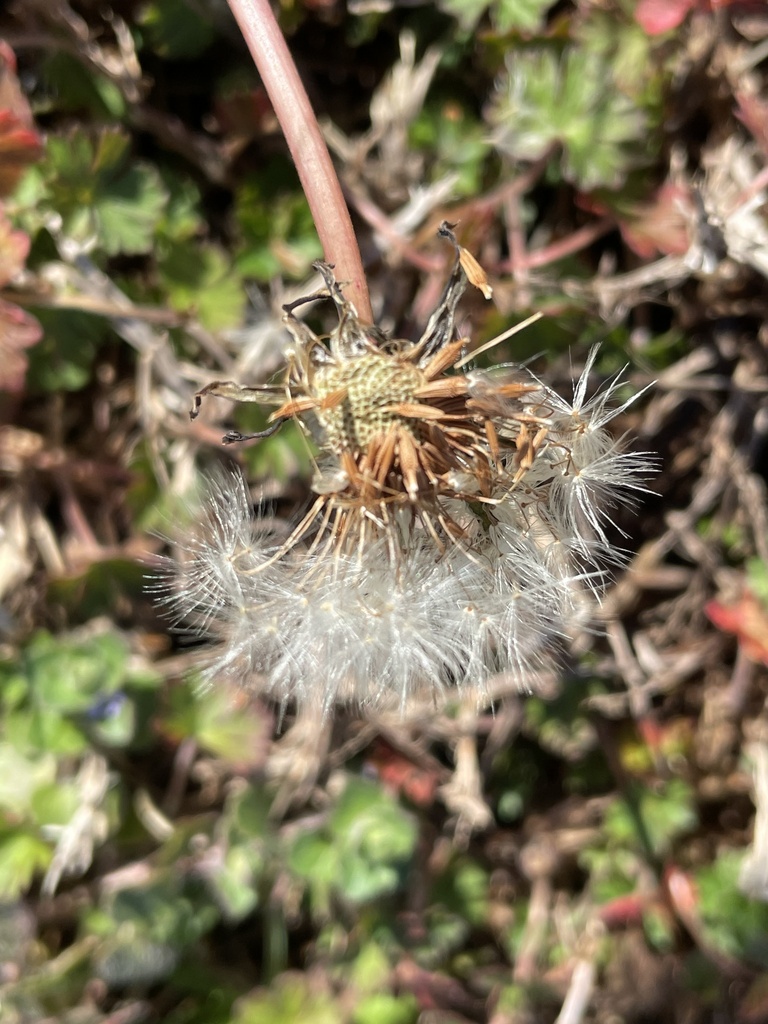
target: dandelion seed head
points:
(459, 529)
(373, 385)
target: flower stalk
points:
(307, 146)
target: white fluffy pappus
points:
(459, 530)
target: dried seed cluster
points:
(458, 524)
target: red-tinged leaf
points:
(660, 226)
(18, 330)
(747, 619)
(666, 738)
(11, 96)
(658, 16)
(20, 145)
(243, 115)
(624, 911)
(403, 776)
(14, 249)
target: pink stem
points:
(308, 149)
(574, 242)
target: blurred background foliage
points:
(176, 853)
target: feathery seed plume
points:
(457, 529)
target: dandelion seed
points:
(459, 523)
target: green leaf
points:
(733, 923)
(243, 831)
(55, 803)
(652, 817)
(77, 87)
(68, 675)
(163, 911)
(371, 968)
(382, 1008)
(249, 809)
(181, 218)
(234, 883)
(200, 280)
(137, 961)
(21, 856)
(102, 588)
(291, 999)
(21, 776)
(659, 930)
(444, 935)
(506, 15)
(612, 872)
(175, 29)
(14, 686)
(221, 721)
(757, 576)
(468, 891)
(65, 678)
(129, 209)
(466, 12)
(96, 193)
(361, 879)
(361, 853)
(279, 235)
(520, 15)
(63, 359)
(369, 820)
(455, 143)
(44, 729)
(117, 728)
(573, 100)
(313, 858)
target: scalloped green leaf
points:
(506, 15)
(570, 99)
(129, 209)
(99, 194)
(68, 675)
(455, 143)
(362, 850)
(201, 280)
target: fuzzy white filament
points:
(460, 524)
(373, 626)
